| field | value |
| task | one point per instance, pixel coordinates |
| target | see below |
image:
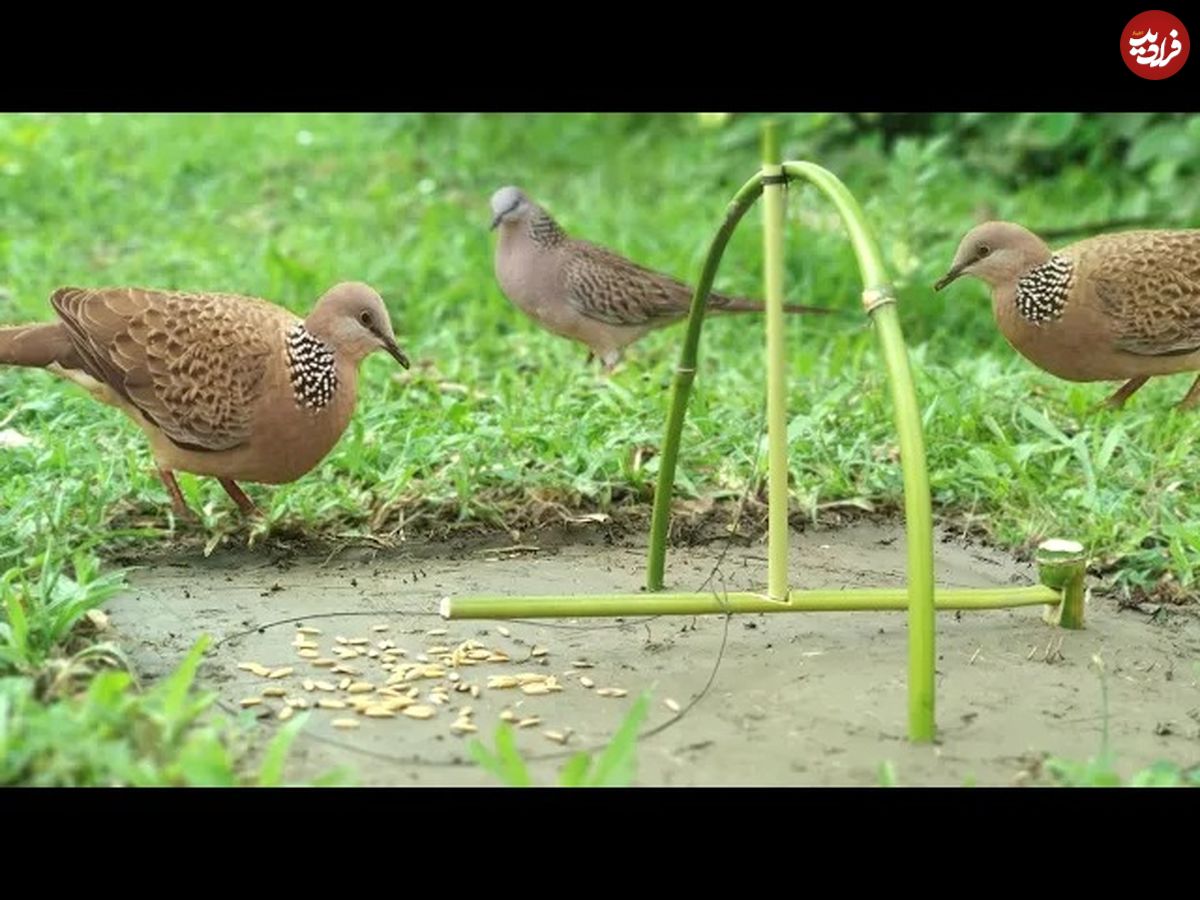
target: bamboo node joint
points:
(876, 297)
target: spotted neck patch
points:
(1042, 291)
(544, 230)
(312, 367)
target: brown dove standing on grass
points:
(231, 387)
(585, 292)
(1118, 306)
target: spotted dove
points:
(1118, 306)
(585, 292)
(225, 386)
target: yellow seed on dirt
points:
(462, 726)
(462, 687)
(466, 711)
(378, 628)
(535, 689)
(503, 631)
(497, 656)
(437, 651)
(379, 711)
(453, 676)
(250, 701)
(308, 684)
(587, 682)
(582, 664)
(419, 712)
(308, 629)
(508, 716)
(557, 736)
(344, 683)
(286, 713)
(433, 672)
(361, 687)
(373, 654)
(255, 669)
(346, 652)
(345, 723)
(437, 632)
(344, 670)
(358, 642)
(437, 699)
(385, 644)
(341, 640)
(671, 705)
(530, 722)
(478, 654)
(324, 686)
(500, 682)
(421, 657)
(530, 677)
(274, 692)
(569, 673)
(330, 703)
(282, 673)
(305, 645)
(475, 691)
(323, 662)
(396, 702)
(309, 654)
(296, 702)
(538, 651)
(612, 692)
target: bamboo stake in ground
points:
(777, 504)
(1062, 565)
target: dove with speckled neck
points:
(585, 292)
(1117, 306)
(222, 385)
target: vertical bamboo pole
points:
(777, 505)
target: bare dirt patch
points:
(797, 699)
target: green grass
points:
(614, 766)
(113, 735)
(495, 413)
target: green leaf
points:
(506, 764)
(615, 767)
(511, 763)
(271, 772)
(18, 625)
(205, 762)
(172, 692)
(1109, 447)
(1039, 421)
(574, 773)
